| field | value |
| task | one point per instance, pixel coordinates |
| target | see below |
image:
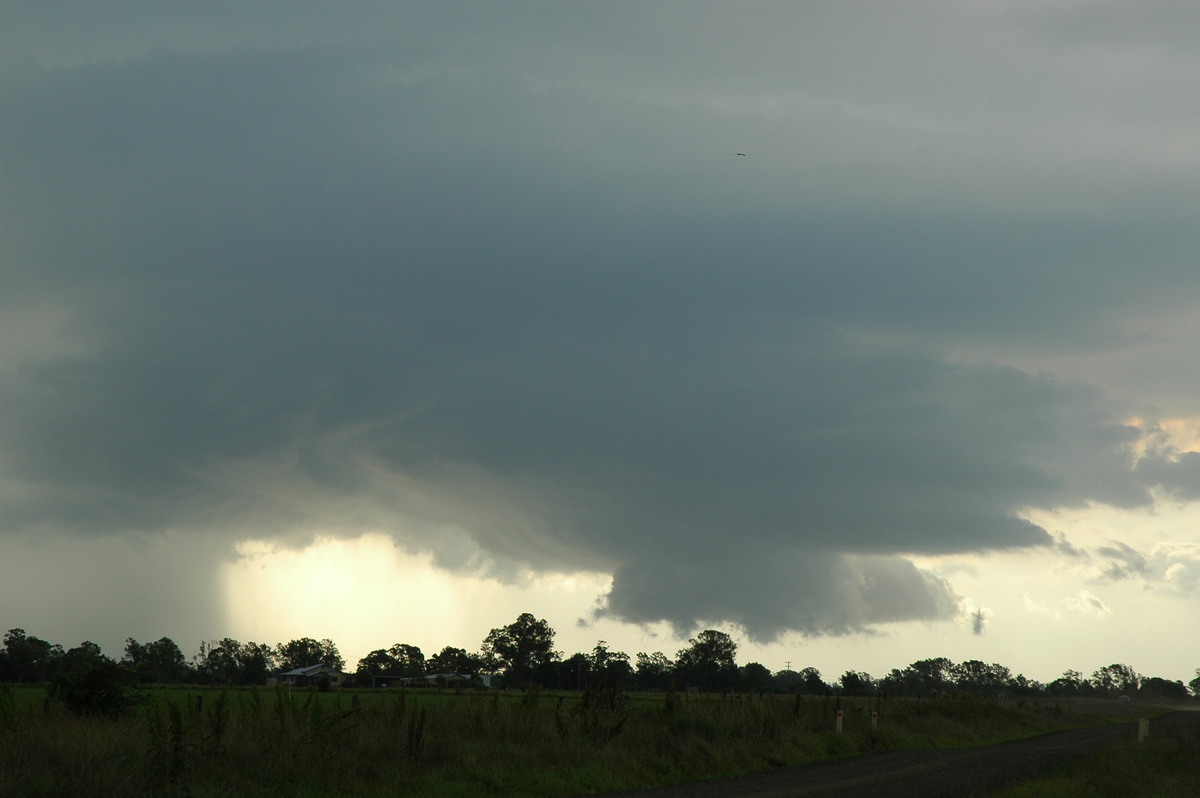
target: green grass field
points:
(440, 744)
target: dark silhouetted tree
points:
(83, 657)
(256, 661)
(923, 677)
(811, 681)
(975, 676)
(520, 650)
(1156, 687)
(104, 689)
(410, 659)
(807, 680)
(786, 681)
(754, 677)
(653, 671)
(399, 661)
(454, 660)
(27, 658)
(217, 662)
(305, 652)
(608, 666)
(1116, 679)
(378, 663)
(857, 683)
(160, 662)
(1071, 683)
(226, 661)
(708, 662)
(574, 672)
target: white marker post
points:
(839, 721)
(1143, 729)
(874, 719)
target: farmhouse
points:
(310, 674)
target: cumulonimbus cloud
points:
(530, 318)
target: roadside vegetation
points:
(280, 742)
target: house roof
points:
(310, 670)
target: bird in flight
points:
(741, 154)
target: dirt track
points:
(930, 773)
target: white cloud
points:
(1176, 567)
(1037, 608)
(1087, 603)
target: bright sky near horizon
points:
(387, 321)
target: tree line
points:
(521, 654)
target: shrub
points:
(105, 689)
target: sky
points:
(865, 332)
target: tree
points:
(1116, 679)
(1156, 687)
(1021, 685)
(454, 660)
(786, 681)
(923, 677)
(27, 658)
(754, 677)
(305, 652)
(409, 659)
(400, 661)
(811, 681)
(521, 649)
(83, 657)
(857, 683)
(610, 666)
(708, 661)
(1071, 683)
(226, 661)
(1194, 684)
(160, 662)
(255, 662)
(653, 671)
(217, 661)
(574, 672)
(980, 677)
(102, 689)
(378, 663)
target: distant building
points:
(432, 680)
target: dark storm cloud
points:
(499, 273)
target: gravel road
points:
(929, 773)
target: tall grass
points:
(279, 743)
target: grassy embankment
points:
(442, 744)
